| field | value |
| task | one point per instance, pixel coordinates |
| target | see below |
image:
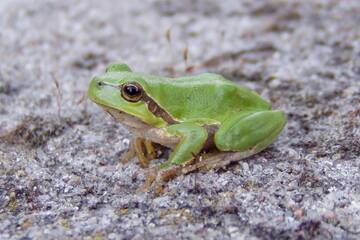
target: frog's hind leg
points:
(249, 131)
(242, 135)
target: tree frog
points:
(205, 119)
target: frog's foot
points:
(158, 176)
(143, 149)
(215, 160)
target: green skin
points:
(243, 121)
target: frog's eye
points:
(131, 92)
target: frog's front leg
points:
(192, 140)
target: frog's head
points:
(120, 92)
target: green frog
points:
(206, 120)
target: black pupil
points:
(132, 90)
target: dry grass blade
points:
(58, 94)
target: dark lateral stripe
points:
(157, 110)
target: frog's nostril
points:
(100, 83)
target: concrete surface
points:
(60, 175)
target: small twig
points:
(168, 35)
(188, 68)
(186, 55)
(168, 39)
(231, 56)
(81, 99)
(58, 94)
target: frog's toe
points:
(128, 154)
(140, 153)
(151, 152)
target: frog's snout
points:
(97, 83)
(100, 84)
(94, 87)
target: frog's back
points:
(205, 96)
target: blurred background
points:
(60, 174)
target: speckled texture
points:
(60, 175)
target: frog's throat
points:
(157, 110)
(126, 119)
(142, 129)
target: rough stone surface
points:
(60, 175)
